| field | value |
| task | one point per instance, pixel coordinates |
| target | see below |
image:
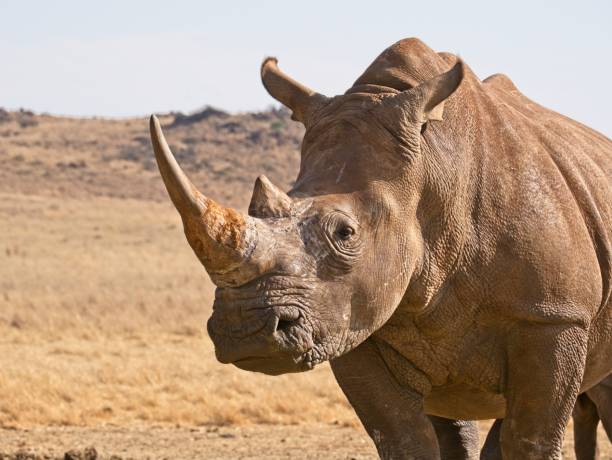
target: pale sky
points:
(124, 58)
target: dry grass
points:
(102, 311)
(97, 266)
(154, 379)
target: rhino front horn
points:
(222, 238)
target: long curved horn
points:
(221, 237)
(302, 101)
(183, 193)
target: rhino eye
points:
(340, 230)
(345, 232)
(344, 240)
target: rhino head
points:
(308, 275)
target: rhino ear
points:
(425, 102)
(302, 101)
(268, 200)
(429, 96)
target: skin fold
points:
(446, 246)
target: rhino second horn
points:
(268, 200)
(221, 237)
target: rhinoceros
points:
(446, 246)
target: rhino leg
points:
(492, 449)
(392, 415)
(458, 439)
(585, 429)
(601, 396)
(540, 393)
(586, 418)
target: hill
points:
(222, 153)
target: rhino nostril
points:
(284, 324)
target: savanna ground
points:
(103, 305)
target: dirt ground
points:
(261, 441)
(211, 442)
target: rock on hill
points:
(82, 157)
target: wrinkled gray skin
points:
(446, 245)
(459, 439)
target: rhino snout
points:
(257, 335)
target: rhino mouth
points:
(264, 333)
(286, 350)
(271, 366)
